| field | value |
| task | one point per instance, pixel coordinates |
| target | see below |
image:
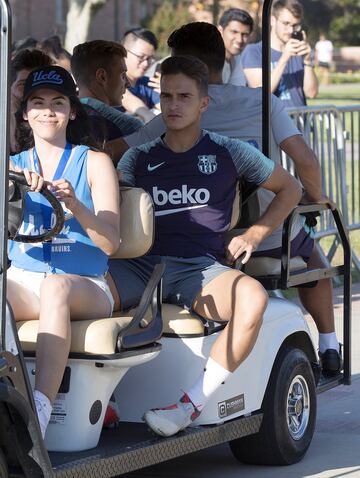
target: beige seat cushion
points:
(87, 336)
(264, 266)
(99, 336)
(178, 321)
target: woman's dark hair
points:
(78, 130)
(202, 40)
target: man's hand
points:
(239, 245)
(291, 48)
(154, 82)
(323, 200)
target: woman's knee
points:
(56, 287)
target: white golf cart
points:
(267, 411)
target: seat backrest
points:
(136, 223)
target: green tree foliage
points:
(345, 28)
(338, 19)
(169, 16)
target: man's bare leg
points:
(241, 301)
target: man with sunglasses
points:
(141, 98)
(292, 69)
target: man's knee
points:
(252, 300)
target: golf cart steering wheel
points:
(16, 211)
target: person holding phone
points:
(293, 77)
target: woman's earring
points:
(72, 117)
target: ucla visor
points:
(51, 77)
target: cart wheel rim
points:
(298, 407)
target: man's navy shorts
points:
(183, 279)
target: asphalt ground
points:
(334, 451)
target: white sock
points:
(328, 341)
(208, 382)
(44, 409)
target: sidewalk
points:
(334, 451)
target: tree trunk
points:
(78, 21)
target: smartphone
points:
(158, 68)
(297, 35)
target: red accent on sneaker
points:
(111, 417)
(186, 399)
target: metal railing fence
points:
(333, 134)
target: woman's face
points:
(48, 113)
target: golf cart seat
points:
(102, 350)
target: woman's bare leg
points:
(60, 297)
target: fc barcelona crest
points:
(207, 164)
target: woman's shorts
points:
(32, 281)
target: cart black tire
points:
(289, 414)
(3, 466)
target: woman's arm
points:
(103, 225)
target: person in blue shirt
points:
(62, 279)
(192, 175)
(141, 98)
(292, 69)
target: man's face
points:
(181, 101)
(116, 81)
(235, 36)
(140, 55)
(17, 88)
(284, 24)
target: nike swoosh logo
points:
(179, 209)
(152, 168)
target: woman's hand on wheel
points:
(64, 192)
(34, 180)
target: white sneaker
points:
(170, 420)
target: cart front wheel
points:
(289, 409)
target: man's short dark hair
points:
(202, 40)
(130, 36)
(29, 59)
(236, 15)
(294, 7)
(90, 56)
(189, 66)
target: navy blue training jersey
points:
(194, 191)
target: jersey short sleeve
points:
(251, 56)
(127, 166)
(249, 162)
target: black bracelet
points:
(309, 64)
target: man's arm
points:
(287, 195)
(135, 105)
(306, 164)
(311, 84)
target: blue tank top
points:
(71, 251)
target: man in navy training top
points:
(192, 175)
(292, 68)
(236, 111)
